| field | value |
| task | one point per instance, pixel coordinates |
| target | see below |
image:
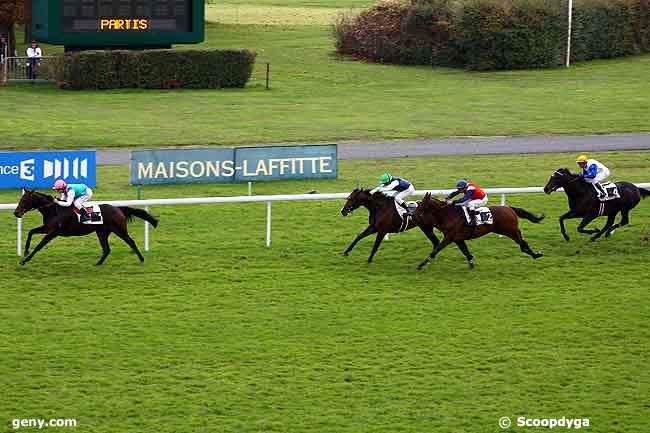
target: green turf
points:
(215, 333)
(316, 97)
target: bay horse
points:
(382, 219)
(584, 204)
(449, 219)
(61, 221)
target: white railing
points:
(268, 199)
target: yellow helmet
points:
(582, 158)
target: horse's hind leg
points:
(103, 241)
(375, 247)
(625, 220)
(468, 255)
(523, 245)
(130, 242)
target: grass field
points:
(215, 333)
(317, 97)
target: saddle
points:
(610, 189)
(95, 213)
(412, 205)
(482, 216)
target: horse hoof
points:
(566, 238)
(471, 264)
(22, 262)
(593, 238)
(608, 234)
(538, 255)
(344, 254)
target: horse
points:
(60, 221)
(449, 219)
(383, 218)
(584, 204)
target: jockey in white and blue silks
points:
(593, 172)
(396, 187)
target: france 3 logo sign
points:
(41, 169)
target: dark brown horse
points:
(584, 204)
(448, 219)
(60, 221)
(382, 219)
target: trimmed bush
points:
(494, 34)
(158, 69)
(502, 34)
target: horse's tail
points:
(131, 212)
(644, 193)
(523, 213)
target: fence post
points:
(19, 240)
(268, 224)
(250, 188)
(503, 199)
(146, 231)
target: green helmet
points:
(386, 177)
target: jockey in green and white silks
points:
(76, 194)
(593, 172)
(395, 187)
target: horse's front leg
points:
(32, 232)
(468, 255)
(445, 241)
(428, 232)
(375, 247)
(367, 232)
(608, 225)
(48, 237)
(586, 220)
(569, 215)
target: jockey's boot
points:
(83, 215)
(406, 207)
(472, 216)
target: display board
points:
(118, 23)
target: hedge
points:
(494, 34)
(157, 69)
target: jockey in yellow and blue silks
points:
(593, 172)
(74, 193)
(396, 187)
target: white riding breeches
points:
(473, 204)
(399, 196)
(79, 201)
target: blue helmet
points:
(462, 184)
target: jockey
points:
(395, 187)
(74, 193)
(593, 172)
(473, 198)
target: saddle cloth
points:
(483, 215)
(401, 211)
(95, 214)
(612, 191)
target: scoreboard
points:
(118, 23)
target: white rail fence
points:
(268, 199)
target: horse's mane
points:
(40, 195)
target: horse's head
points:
(357, 198)
(427, 207)
(31, 200)
(559, 179)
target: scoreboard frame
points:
(47, 26)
